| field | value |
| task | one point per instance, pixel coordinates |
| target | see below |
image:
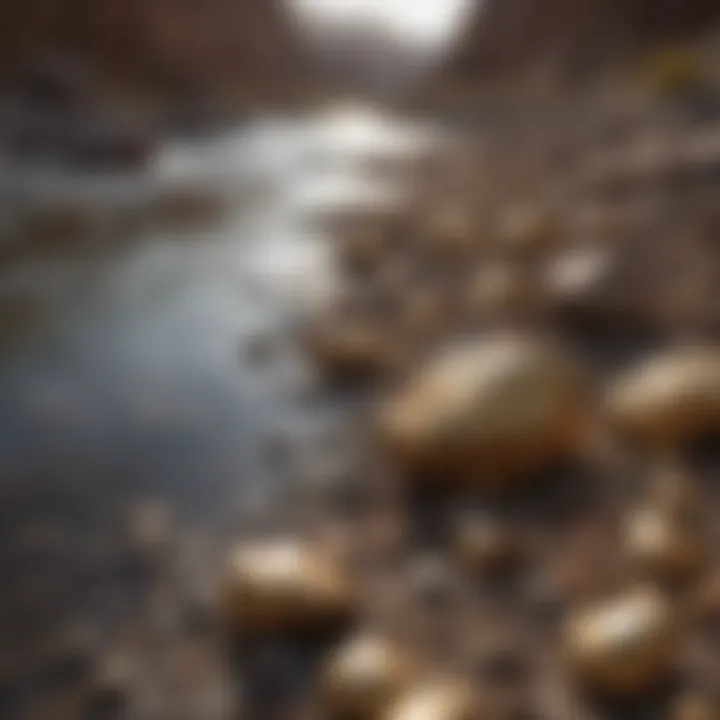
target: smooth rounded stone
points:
(530, 230)
(364, 676)
(60, 223)
(450, 233)
(695, 706)
(578, 278)
(436, 700)
(186, 206)
(706, 603)
(662, 547)
(285, 585)
(624, 645)
(674, 492)
(425, 313)
(486, 412)
(500, 290)
(432, 581)
(150, 530)
(484, 542)
(669, 398)
(347, 348)
(360, 253)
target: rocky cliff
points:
(508, 36)
(177, 46)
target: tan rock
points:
(625, 645)
(484, 542)
(350, 347)
(662, 547)
(284, 585)
(488, 411)
(669, 398)
(360, 253)
(579, 276)
(437, 700)
(364, 676)
(501, 290)
(695, 706)
(532, 229)
(451, 233)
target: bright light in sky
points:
(427, 21)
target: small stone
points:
(578, 282)
(285, 585)
(625, 645)
(661, 547)
(360, 254)
(489, 411)
(695, 706)
(675, 494)
(150, 529)
(502, 664)
(450, 233)
(425, 313)
(346, 349)
(432, 581)
(530, 230)
(707, 600)
(485, 543)
(501, 291)
(437, 700)
(670, 398)
(363, 677)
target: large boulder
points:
(511, 36)
(489, 411)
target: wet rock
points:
(436, 700)
(150, 530)
(676, 495)
(425, 313)
(695, 706)
(485, 543)
(363, 677)
(625, 645)
(184, 207)
(580, 285)
(360, 254)
(347, 348)
(105, 141)
(662, 547)
(707, 600)
(432, 582)
(285, 585)
(450, 234)
(488, 411)
(669, 398)
(530, 230)
(502, 291)
(500, 658)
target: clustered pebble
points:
(535, 537)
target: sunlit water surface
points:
(123, 356)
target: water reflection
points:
(123, 349)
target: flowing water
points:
(122, 338)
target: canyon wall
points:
(171, 45)
(510, 36)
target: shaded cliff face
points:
(508, 36)
(173, 45)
